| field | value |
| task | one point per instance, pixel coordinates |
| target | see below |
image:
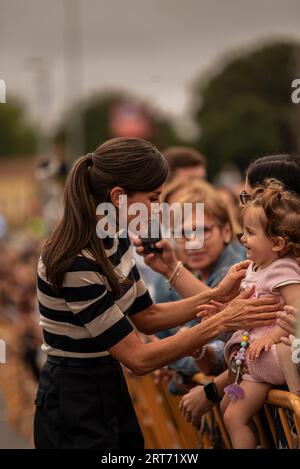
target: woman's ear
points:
(279, 244)
(115, 194)
(227, 234)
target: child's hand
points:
(288, 340)
(260, 345)
(207, 311)
(229, 287)
(287, 319)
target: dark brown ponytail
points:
(131, 163)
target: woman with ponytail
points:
(91, 298)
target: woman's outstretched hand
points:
(164, 262)
(245, 312)
(209, 310)
(229, 287)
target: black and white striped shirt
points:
(84, 320)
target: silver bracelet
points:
(175, 275)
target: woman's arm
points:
(207, 364)
(167, 315)
(194, 404)
(186, 284)
(291, 295)
(161, 316)
(242, 312)
(142, 358)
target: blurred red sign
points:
(129, 120)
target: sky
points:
(55, 51)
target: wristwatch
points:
(211, 392)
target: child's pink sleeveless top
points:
(284, 271)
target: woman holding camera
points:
(91, 297)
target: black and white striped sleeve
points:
(88, 298)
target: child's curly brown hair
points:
(281, 214)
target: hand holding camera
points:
(159, 254)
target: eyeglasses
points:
(190, 234)
(245, 197)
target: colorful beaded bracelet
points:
(234, 391)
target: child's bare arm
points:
(291, 296)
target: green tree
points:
(245, 110)
(17, 137)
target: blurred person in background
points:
(209, 263)
(19, 330)
(185, 162)
(231, 200)
(285, 168)
(18, 300)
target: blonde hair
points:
(200, 191)
(172, 187)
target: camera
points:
(149, 243)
